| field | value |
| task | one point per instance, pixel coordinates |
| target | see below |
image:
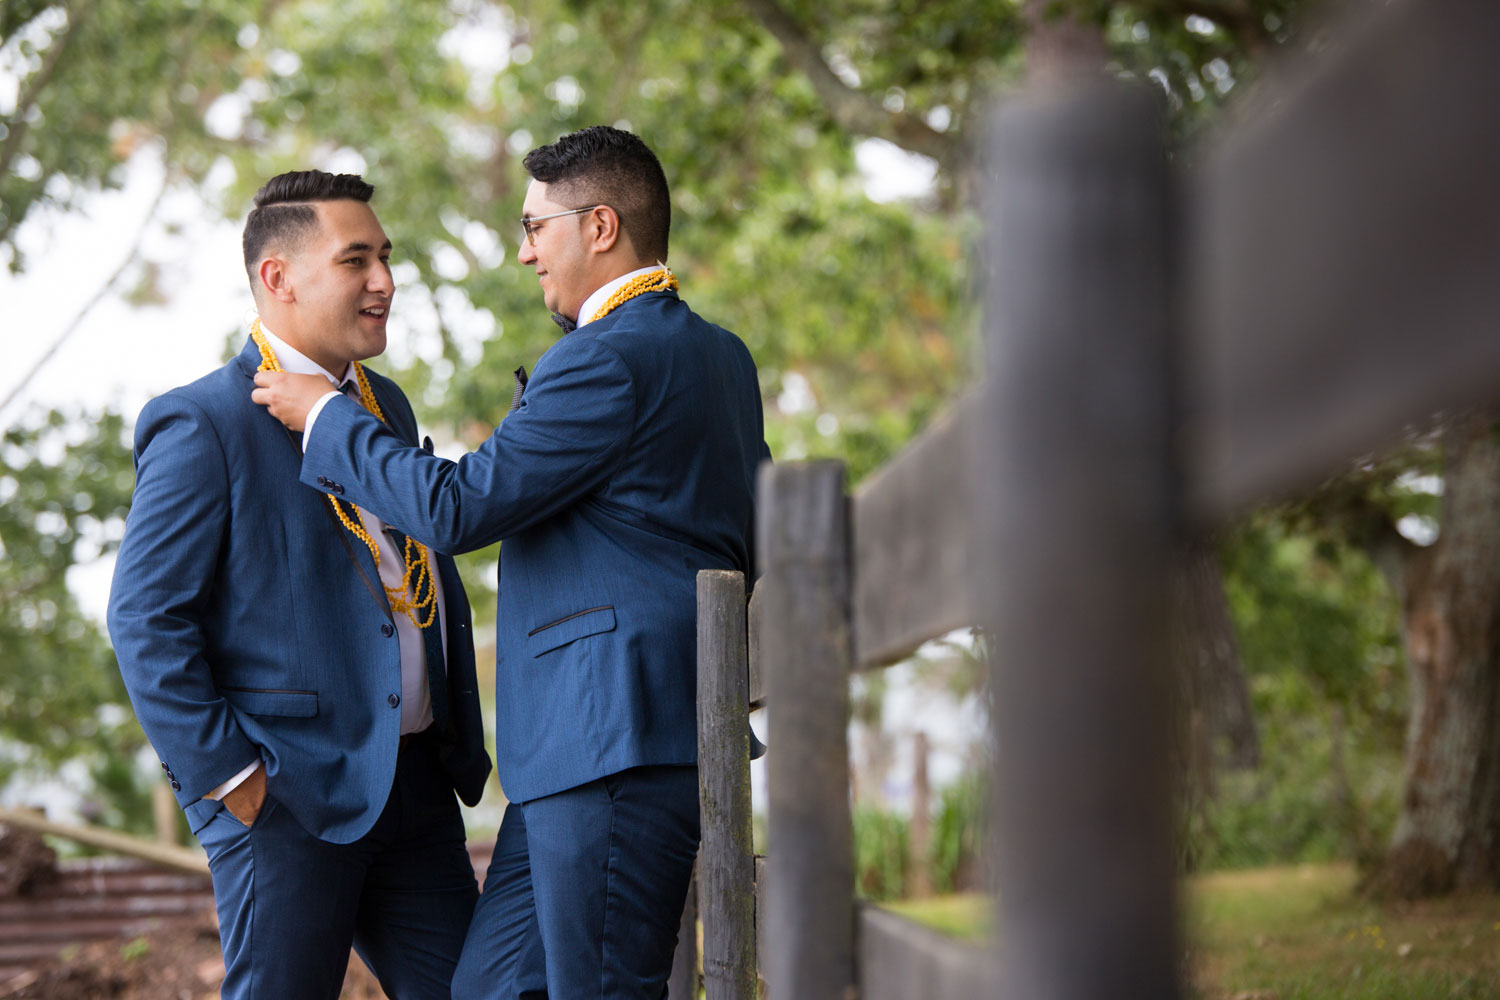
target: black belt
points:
(407, 739)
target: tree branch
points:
(37, 83)
(851, 109)
(105, 289)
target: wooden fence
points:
(1165, 348)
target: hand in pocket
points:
(248, 796)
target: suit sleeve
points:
(572, 431)
(163, 581)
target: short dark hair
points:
(600, 165)
(283, 214)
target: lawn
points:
(1301, 933)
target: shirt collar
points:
(603, 292)
(294, 361)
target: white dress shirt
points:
(416, 699)
(601, 294)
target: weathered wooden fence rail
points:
(1164, 349)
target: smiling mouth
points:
(374, 312)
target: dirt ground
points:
(178, 964)
(28, 867)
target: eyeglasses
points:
(529, 223)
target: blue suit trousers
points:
(585, 891)
(290, 905)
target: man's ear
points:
(275, 279)
(604, 229)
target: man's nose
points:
(527, 253)
(381, 280)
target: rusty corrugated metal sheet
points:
(96, 898)
(101, 898)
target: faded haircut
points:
(600, 165)
(283, 217)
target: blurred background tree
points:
(63, 495)
(858, 312)
(767, 116)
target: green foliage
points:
(880, 853)
(882, 844)
(958, 833)
(774, 236)
(64, 487)
(1197, 61)
(1319, 608)
(1292, 807)
(1319, 639)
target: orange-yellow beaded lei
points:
(657, 281)
(414, 596)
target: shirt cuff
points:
(312, 415)
(232, 783)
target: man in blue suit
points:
(626, 465)
(305, 675)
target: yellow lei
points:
(403, 599)
(657, 281)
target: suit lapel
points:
(359, 555)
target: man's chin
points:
(372, 347)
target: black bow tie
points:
(515, 398)
(568, 325)
(349, 386)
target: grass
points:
(965, 916)
(1301, 933)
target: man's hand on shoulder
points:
(246, 798)
(289, 397)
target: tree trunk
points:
(919, 838)
(1061, 46)
(1210, 677)
(1446, 836)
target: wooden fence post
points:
(803, 545)
(726, 864)
(165, 814)
(1077, 477)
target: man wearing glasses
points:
(626, 465)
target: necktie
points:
(432, 645)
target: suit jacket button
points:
(164, 767)
(322, 480)
(387, 630)
(337, 488)
(176, 786)
(393, 700)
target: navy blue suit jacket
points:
(629, 466)
(249, 623)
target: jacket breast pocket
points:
(264, 701)
(545, 638)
